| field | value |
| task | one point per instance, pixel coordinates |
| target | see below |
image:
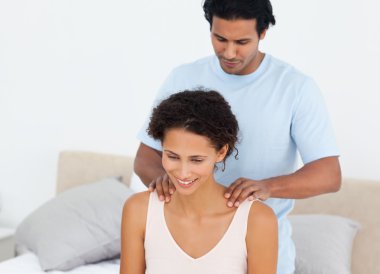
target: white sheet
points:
(28, 264)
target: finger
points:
(232, 201)
(159, 189)
(261, 195)
(232, 187)
(248, 188)
(165, 188)
(152, 186)
(172, 188)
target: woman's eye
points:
(197, 160)
(172, 157)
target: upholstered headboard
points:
(79, 167)
(358, 200)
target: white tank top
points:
(164, 256)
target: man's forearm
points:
(315, 178)
(147, 164)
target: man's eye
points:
(242, 42)
(220, 39)
(172, 157)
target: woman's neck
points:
(206, 200)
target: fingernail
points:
(162, 198)
(171, 191)
(227, 195)
(237, 204)
(167, 199)
(250, 198)
(230, 204)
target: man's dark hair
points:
(202, 112)
(261, 10)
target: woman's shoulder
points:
(261, 214)
(136, 206)
(137, 201)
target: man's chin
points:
(227, 69)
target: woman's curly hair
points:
(203, 112)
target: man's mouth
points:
(230, 64)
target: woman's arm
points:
(262, 240)
(132, 257)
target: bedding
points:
(79, 226)
(323, 243)
(28, 264)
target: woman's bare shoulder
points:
(261, 214)
(137, 201)
(262, 239)
(136, 206)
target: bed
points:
(327, 229)
(76, 169)
(28, 264)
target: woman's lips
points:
(186, 183)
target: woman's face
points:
(189, 159)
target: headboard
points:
(80, 167)
(358, 199)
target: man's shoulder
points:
(195, 66)
(286, 71)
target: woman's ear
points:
(222, 153)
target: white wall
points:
(82, 74)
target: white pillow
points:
(79, 226)
(323, 243)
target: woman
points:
(196, 232)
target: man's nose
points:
(230, 51)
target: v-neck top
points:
(164, 255)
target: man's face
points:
(236, 44)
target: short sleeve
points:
(311, 127)
(164, 91)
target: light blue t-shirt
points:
(280, 112)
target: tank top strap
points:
(154, 214)
(240, 221)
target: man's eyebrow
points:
(244, 40)
(218, 35)
(238, 40)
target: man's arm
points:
(148, 166)
(315, 178)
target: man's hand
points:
(244, 188)
(163, 186)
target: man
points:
(280, 113)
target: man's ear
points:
(222, 153)
(262, 35)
